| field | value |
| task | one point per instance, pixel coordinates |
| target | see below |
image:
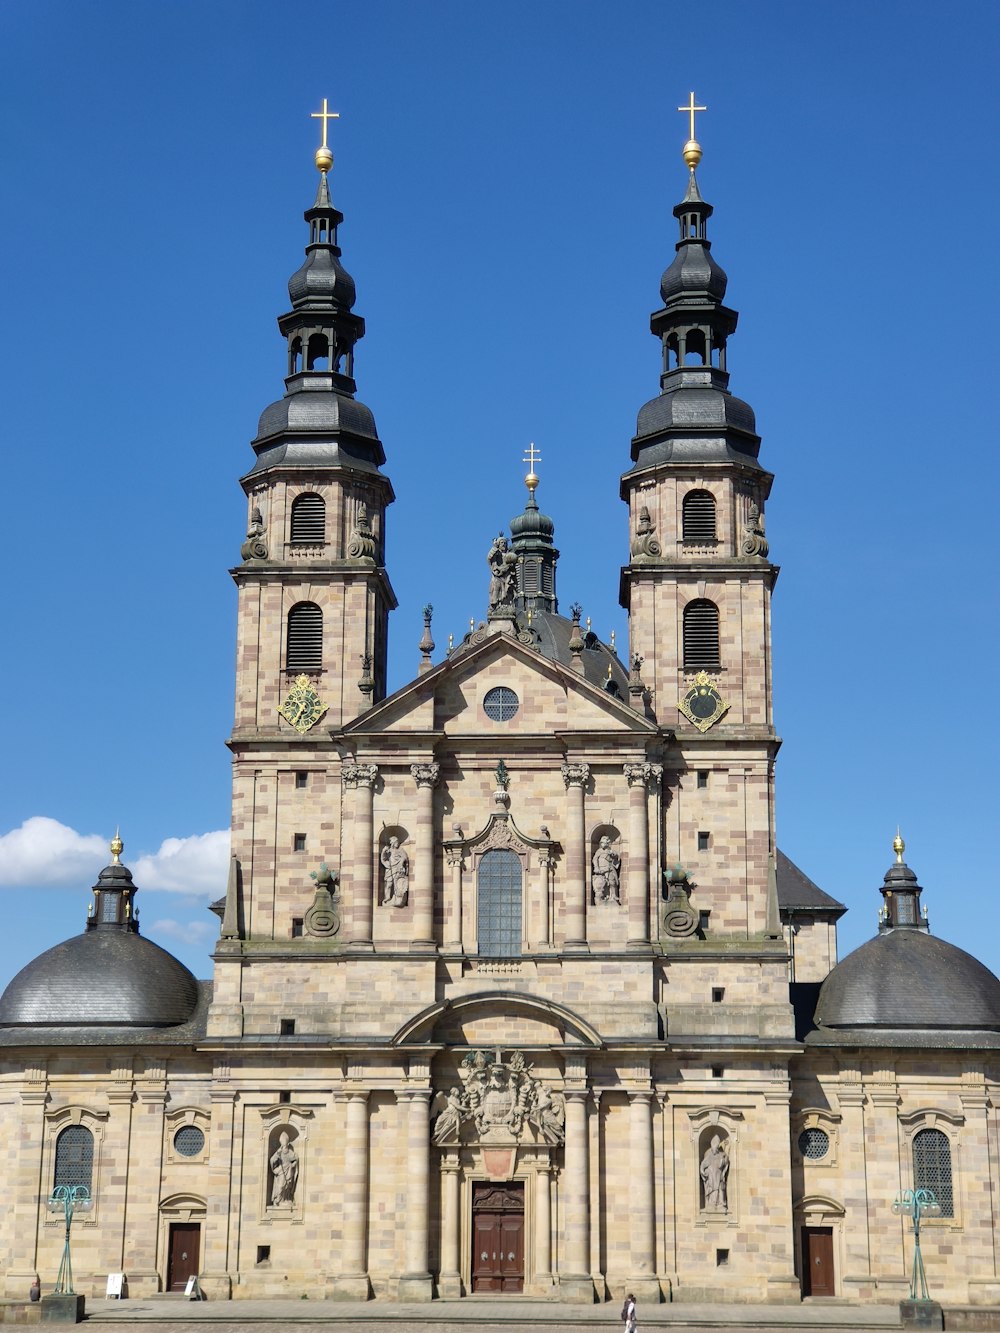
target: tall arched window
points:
(499, 904)
(932, 1167)
(701, 636)
(309, 519)
(305, 638)
(698, 517)
(74, 1157)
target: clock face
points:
(702, 704)
(302, 707)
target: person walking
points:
(628, 1314)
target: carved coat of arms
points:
(498, 1099)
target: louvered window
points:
(75, 1156)
(701, 636)
(309, 519)
(499, 904)
(305, 637)
(932, 1167)
(698, 517)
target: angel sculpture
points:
(447, 1124)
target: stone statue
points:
(606, 879)
(503, 573)
(396, 865)
(447, 1123)
(714, 1172)
(284, 1171)
(549, 1114)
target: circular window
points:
(500, 704)
(189, 1141)
(814, 1143)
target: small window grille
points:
(287, 1028)
(499, 904)
(814, 1143)
(301, 780)
(309, 519)
(698, 517)
(932, 1167)
(703, 842)
(529, 576)
(701, 636)
(299, 842)
(298, 924)
(702, 778)
(500, 704)
(189, 1141)
(305, 637)
(75, 1156)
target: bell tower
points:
(698, 584)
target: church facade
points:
(514, 991)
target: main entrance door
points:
(184, 1246)
(498, 1237)
(817, 1261)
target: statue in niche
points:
(284, 1171)
(503, 573)
(714, 1174)
(396, 868)
(607, 873)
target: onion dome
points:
(693, 272)
(110, 976)
(905, 986)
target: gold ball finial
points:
(692, 153)
(324, 159)
(117, 847)
(899, 847)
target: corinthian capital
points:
(642, 775)
(360, 775)
(425, 775)
(575, 775)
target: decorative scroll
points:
(754, 542)
(255, 547)
(677, 917)
(323, 918)
(644, 543)
(362, 544)
(499, 1100)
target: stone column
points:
(25, 1183)
(352, 1283)
(415, 1283)
(422, 887)
(545, 863)
(146, 1158)
(639, 776)
(450, 1277)
(543, 1227)
(216, 1276)
(576, 777)
(642, 1230)
(361, 779)
(576, 1286)
(456, 864)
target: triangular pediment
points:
(451, 700)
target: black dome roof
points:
(101, 978)
(907, 978)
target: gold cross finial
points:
(324, 158)
(692, 149)
(531, 457)
(899, 847)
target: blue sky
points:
(507, 174)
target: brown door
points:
(498, 1238)
(182, 1261)
(817, 1261)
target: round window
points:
(500, 704)
(189, 1141)
(814, 1143)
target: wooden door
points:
(498, 1238)
(817, 1261)
(184, 1246)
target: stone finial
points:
(426, 644)
(366, 682)
(576, 639)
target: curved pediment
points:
(481, 1019)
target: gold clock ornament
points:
(302, 707)
(703, 705)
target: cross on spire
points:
(326, 115)
(690, 109)
(531, 457)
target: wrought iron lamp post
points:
(916, 1204)
(68, 1199)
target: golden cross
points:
(532, 456)
(326, 115)
(690, 109)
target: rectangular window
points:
(721, 1258)
(717, 1071)
(718, 994)
(297, 926)
(263, 1254)
(703, 842)
(287, 1027)
(298, 842)
(284, 1098)
(301, 780)
(702, 777)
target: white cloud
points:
(186, 932)
(197, 866)
(44, 852)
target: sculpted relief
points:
(497, 1100)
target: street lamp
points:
(916, 1204)
(68, 1199)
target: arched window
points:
(317, 352)
(701, 636)
(309, 519)
(698, 517)
(932, 1167)
(499, 902)
(74, 1157)
(305, 638)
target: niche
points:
(713, 1169)
(605, 866)
(394, 866)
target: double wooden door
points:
(498, 1237)
(817, 1261)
